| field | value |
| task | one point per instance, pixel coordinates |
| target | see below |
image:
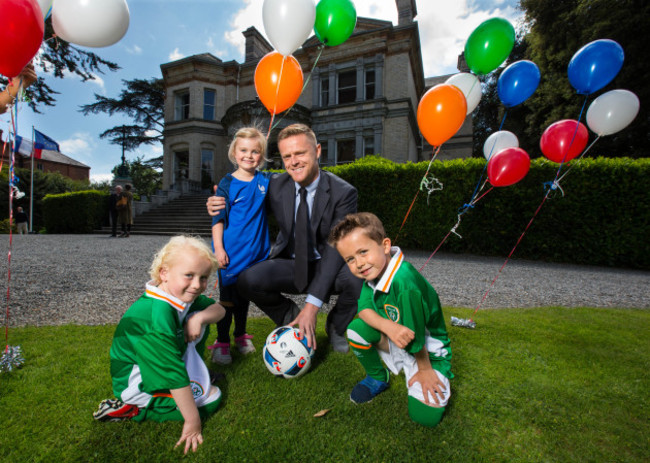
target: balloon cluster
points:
(591, 68)
(442, 109)
(441, 112)
(81, 22)
(288, 23)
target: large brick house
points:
(50, 161)
(361, 98)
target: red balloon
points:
(508, 166)
(21, 34)
(278, 81)
(441, 112)
(564, 140)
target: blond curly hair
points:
(178, 244)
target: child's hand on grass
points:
(400, 335)
(431, 384)
(191, 436)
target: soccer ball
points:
(286, 355)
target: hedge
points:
(602, 216)
(76, 212)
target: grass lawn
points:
(531, 385)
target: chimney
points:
(256, 45)
(406, 11)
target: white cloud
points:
(249, 15)
(99, 178)
(134, 50)
(175, 55)
(444, 26)
(212, 48)
(80, 145)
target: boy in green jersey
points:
(400, 320)
(156, 356)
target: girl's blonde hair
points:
(248, 132)
(175, 246)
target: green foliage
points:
(4, 226)
(547, 384)
(44, 183)
(602, 219)
(79, 212)
(557, 31)
(142, 100)
(145, 178)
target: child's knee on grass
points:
(424, 414)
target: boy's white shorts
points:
(397, 359)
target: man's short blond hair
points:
(297, 129)
(179, 244)
(247, 132)
(366, 221)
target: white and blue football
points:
(285, 354)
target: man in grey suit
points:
(321, 272)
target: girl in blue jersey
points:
(240, 236)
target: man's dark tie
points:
(301, 243)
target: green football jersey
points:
(148, 345)
(404, 296)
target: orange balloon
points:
(441, 113)
(278, 81)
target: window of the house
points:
(182, 105)
(208, 104)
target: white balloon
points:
(90, 23)
(470, 86)
(611, 112)
(288, 23)
(45, 5)
(498, 141)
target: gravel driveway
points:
(92, 279)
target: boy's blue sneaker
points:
(367, 389)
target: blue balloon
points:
(595, 65)
(518, 82)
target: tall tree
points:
(146, 175)
(143, 101)
(557, 31)
(60, 58)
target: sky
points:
(161, 31)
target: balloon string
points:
(453, 229)
(435, 153)
(573, 164)
(575, 132)
(480, 179)
(14, 118)
(268, 134)
(510, 255)
(505, 114)
(321, 48)
(277, 87)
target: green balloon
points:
(489, 45)
(335, 21)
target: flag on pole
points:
(41, 142)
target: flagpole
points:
(31, 188)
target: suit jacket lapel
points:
(289, 201)
(320, 200)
